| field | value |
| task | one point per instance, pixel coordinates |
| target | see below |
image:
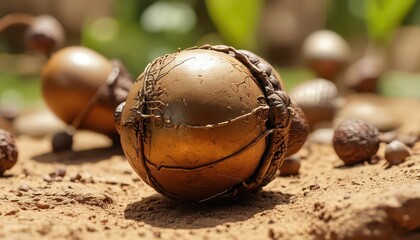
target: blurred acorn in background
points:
(8, 151)
(318, 99)
(326, 53)
(45, 34)
(290, 166)
(396, 152)
(363, 75)
(83, 88)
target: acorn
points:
(45, 34)
(205, 123)
(318, 99)
(363, 75)
(83, 88)
(290, 166)
(326, 53)
(396, 152)
(62, 141)
(355, 141)
(8, 151)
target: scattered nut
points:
(45, 34)
(326, 53)
(363, 75)
(355, 141)
(47, 178)
(8, 151)
(396, 152)
(290, 166)
(60, 171)
(42, 205)
(318, 99)
(24, 187)
(62, 141)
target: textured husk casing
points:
(318, 99)
(205, 123)
(8, 151)
(81, 85)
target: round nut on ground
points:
(290, 166)
(8, 151)
(197, 131)
(60, 171)
(363, 75)
(396, 152)
(355, 141)
(326, 53)
(62, 141)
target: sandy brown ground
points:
(100, 197)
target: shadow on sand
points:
(159, 211)
(82, 156)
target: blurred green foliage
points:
(27, 87)
(397, 83)
(384, 16)
(135, 41)
(293, 76)
(236, 20)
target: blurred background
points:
(137, 31)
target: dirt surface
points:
(92, 193)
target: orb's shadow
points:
(81, 156)
(159, 211)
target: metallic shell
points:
(195, 125)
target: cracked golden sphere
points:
(205, 123)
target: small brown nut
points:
(363, 75)
(326, 53)
(318, 99)
(290, 166)
(45, 34)
(62, 141)
(355, 141)
(396, 152)
(60, 171)
(8, 151)
(299, 130)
